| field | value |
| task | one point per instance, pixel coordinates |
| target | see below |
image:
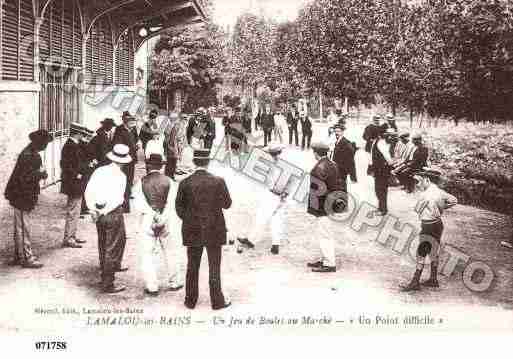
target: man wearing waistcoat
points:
(381, 164)
(154, 199)
(343, 156)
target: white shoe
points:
(507, 244)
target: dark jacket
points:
(127, 137)
(369, 135)
(99, 146)
(323, 176)
(419, 158)
(73, 163)
(267, 121)
(306, 125)
(22, 190)
(191, 129)
(292, 119)
(343, 156)
(380, 166)
(210, 129)
(246, 122)
(200, 201)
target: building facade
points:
(64, 61)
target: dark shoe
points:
(122, 269)
(174, 289)
(317, 264)
(114, 289)
(80, 241)
(432, 283)
(225, 305)
(151, 293)
(32, 264)
(246, 243)
(189, 305)
(14, 262)
(71, 245)
(411, 287)
(324, 269)
(275, 249)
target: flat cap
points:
(320, 146)
(274, 148)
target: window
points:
(16, 40)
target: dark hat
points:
(203, 154)
(320, 146)
(155, 159)
(390, 118)
(428, 172)
(340, 125)
(78, 128)
(127, 116)
(108, 122)
(40, 136)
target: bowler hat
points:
(155, 159)
(108, 122)
(339, 125)
(40, 136)
(127, 116)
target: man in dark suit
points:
(343, 156)
(74, 171)
(382, 164)
(200, 201)
(371, 132)
(101, 144)
(306, 129)
(324, 180)
(22, 192)
(209, 131)
(292, 120)
(267, 123)
(126, 134)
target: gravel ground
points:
(366, 283)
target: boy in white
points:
(430, 206)
(154, 198)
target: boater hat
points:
(429, 172)
(274, 149)
(320, 146)
(404, 134)
(201, 154)
(120, 154)
(78, 128)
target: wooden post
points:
(320, 105)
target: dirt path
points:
(366, 281)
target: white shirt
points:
(147, 213)
(384, 148)
(433, 201)
(154, 146)
(106, 186)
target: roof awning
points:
(146, 18)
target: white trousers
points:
(324, 233)
(154, 251)
(271, 211)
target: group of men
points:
(102, 172)
(393, 156)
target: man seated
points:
(416, 160)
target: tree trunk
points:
(411, 117)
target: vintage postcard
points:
(316, 168)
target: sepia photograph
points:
(310, 168)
